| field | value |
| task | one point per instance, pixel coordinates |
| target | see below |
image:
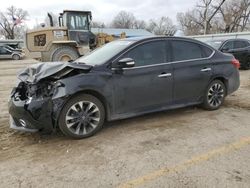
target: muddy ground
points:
(187, 147)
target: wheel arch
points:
(92, 92)
(223, 80)
(16, 55)
(99, 96)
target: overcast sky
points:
(102, 10)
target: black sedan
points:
(122, 79)
(240, 48)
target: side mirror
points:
(124, 63)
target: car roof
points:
(224, 40)
(148, 38)
(157, 37)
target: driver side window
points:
(228, 46)
(148, 53)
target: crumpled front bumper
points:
(21, 125)
(31, 115)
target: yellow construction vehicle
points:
(103, 38)
(71, 39)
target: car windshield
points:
(104, 53)
(214, 43)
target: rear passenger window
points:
(228, 46)
(184, 50)
(207, 52)
(240, 44)
(148, 54)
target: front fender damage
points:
(35, 100)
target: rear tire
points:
(82, 116)
(215, 95)
(65, 53)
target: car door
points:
(5, 53)
(148, 85)
(240, 50)
(192, 70)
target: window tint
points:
(148, 53)
(183, 50)
(206, 51)
(228, 46)
(4, 51)
(240, 44)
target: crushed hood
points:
(36, 72)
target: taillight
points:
(236, 63)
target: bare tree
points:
(96, 24)
(140, 24)
(10, 22)
(162, 26)
(201, 19)
(190, 22)
(235, 15)
(20, 32)
(207, 12)
(123, 19)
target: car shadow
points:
(150, 121)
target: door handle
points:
(206, 69)
(164, 75)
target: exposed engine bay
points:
(40, 80)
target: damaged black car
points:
(122, 79)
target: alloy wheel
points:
(215, 95)
(82, 117)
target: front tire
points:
(82, 116)
(215, 95)
(16, 57)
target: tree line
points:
(206, 17)
(127, 20)
(216, 16)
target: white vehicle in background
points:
(7, 52)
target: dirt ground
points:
(187, 147)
